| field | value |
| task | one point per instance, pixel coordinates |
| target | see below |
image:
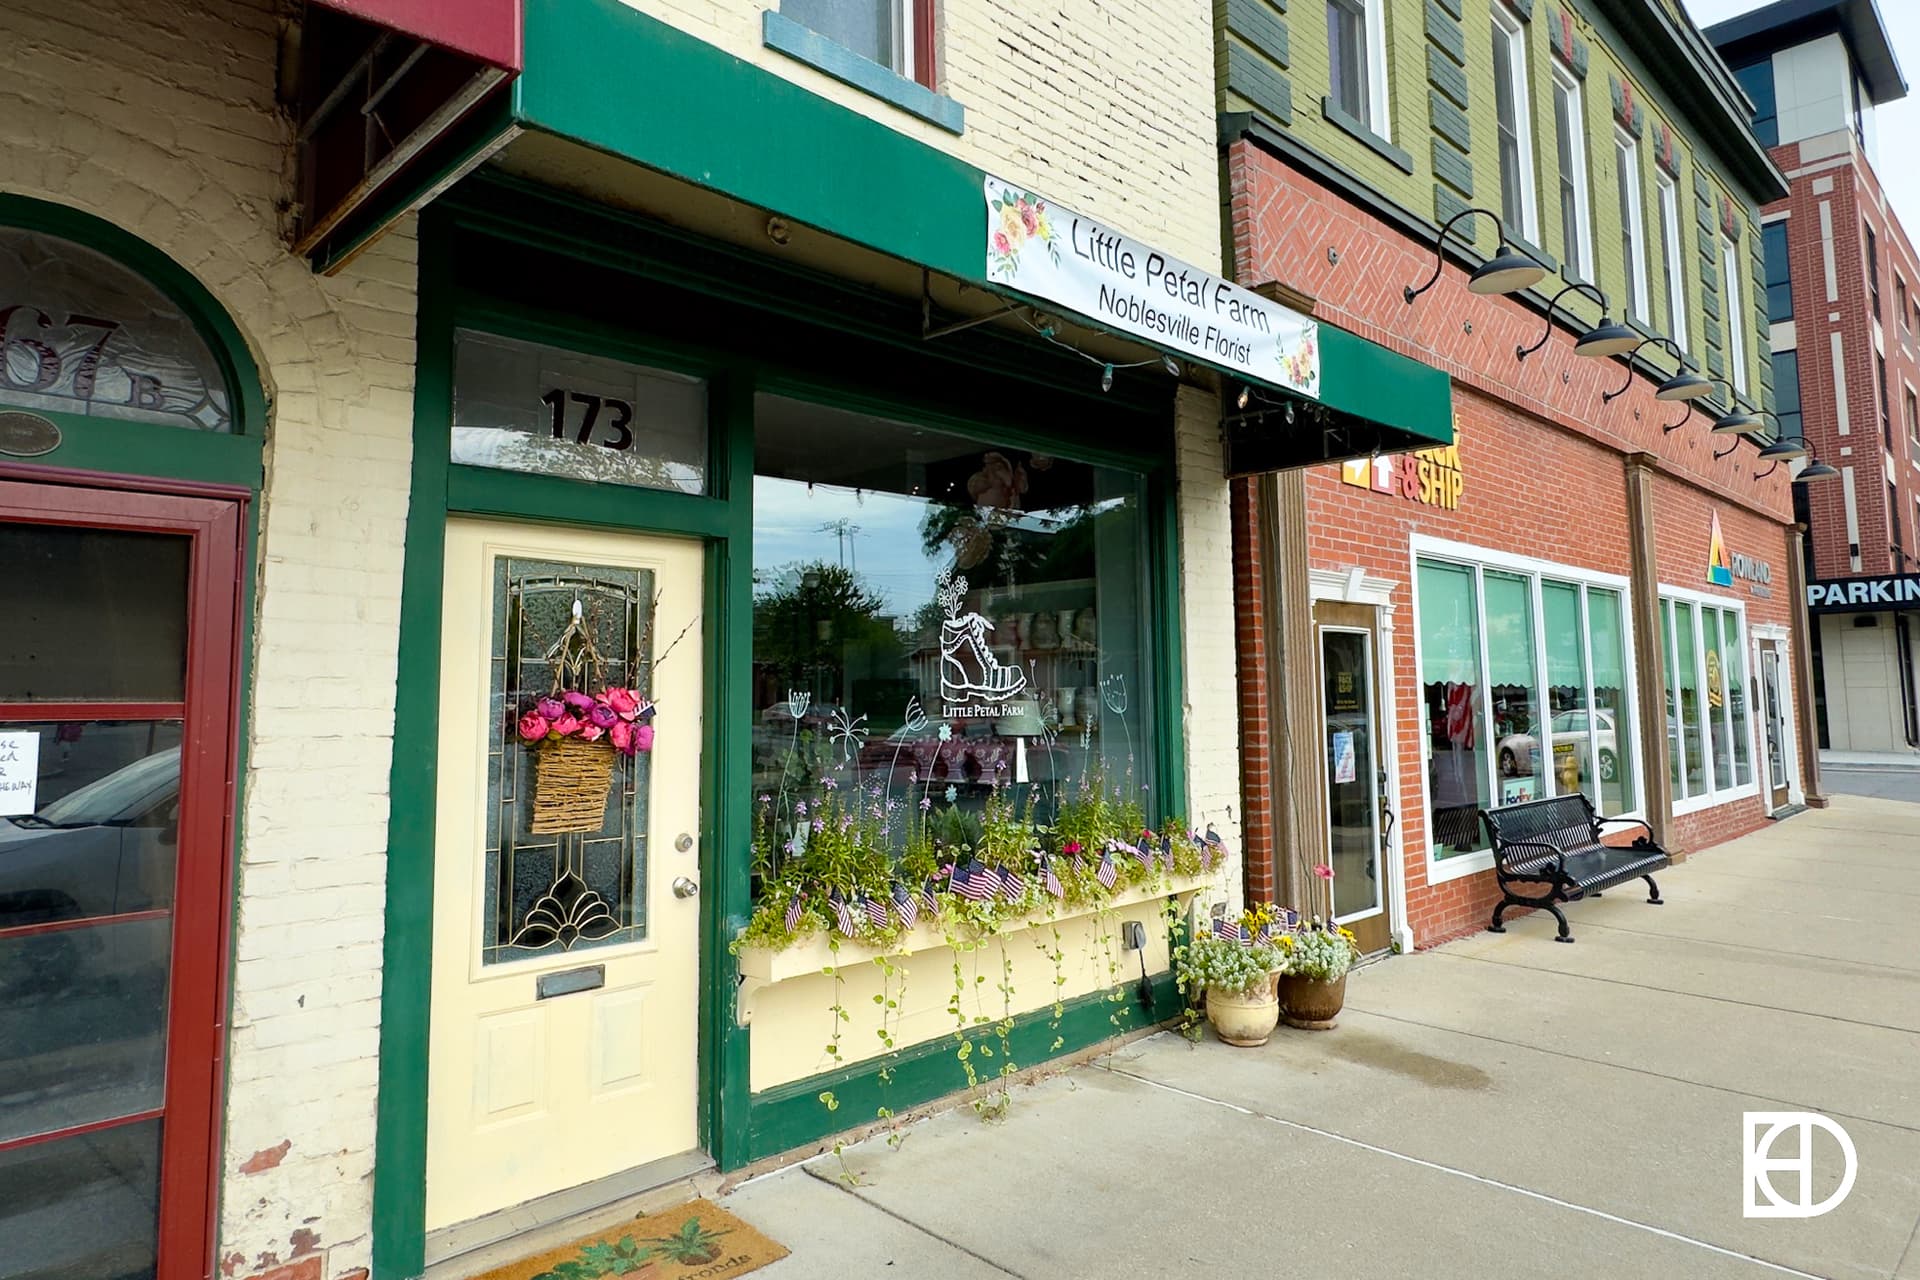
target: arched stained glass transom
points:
(82, 333)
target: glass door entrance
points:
(1773, 717)
(116, 660)
(1354, 779)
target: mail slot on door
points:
(568, 981)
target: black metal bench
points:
(1557, 843)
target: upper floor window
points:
(1773, 243)
(1886, 407)
(1913, 420)
(1736, 310)
(1873, 271)
(1786, 392)
(1900, 304)
(1357, 56)
(897, 34)
(1633, 242)
(82, 334)
(1672, 251)
(1756, 79)
(1514, 120)
(1570, 138)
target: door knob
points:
(684, 888)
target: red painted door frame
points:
(214, 518)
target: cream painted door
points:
(565, 966)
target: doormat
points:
(694, 1241)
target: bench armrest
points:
(1502, 847)
(1635, 821)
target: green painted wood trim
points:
(783, 34)
(793, 1115)
(1361, 132)
(756, 136)
(727, 786)
(516, 495)
(147, 449)
(400, 1140)
(210, 319)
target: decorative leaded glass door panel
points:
(566, 963)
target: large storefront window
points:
(1534, 663)
(1711, 738)
(938, 618)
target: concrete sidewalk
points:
(1498, 1107)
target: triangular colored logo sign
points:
(1719, 567)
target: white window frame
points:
(1714, 796)
(1667, 195)
(1627, 155)
(1567, 89)
(1517, 73)
(1736, 328)
(1424, 547)
(1379, 112)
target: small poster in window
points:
(1343, 761)
(1519, 790)
(19, 772)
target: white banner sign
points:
(1037, 247)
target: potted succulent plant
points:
(1313, 987)
(1237, 979)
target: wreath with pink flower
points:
(618, 715)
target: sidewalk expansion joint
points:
(1496, 1183)
(839, 1184)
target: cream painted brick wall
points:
(158, 115)
(1104, 105)
(1211, 716)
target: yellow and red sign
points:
(1432, 477)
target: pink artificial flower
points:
(550, 708)
(577, 700)
(643, 737)
(592, 733)
(1322, 870)
(534, 726)
(1072, 847)
(621, 735)
(602, 715)
(566, 726)
(623, 702)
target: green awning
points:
(678, 105)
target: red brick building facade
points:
(1547, 474)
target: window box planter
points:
(788, 995)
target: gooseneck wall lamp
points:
(1738, 423)
(1604, 339)
(1507, 271)
(1684, 385)
(1734, 422)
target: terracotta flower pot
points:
(1241, 1017)
(1310, 1003)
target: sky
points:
(1895, 120)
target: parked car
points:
(1517, 750)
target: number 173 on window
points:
(614, 433)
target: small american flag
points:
(974, 882)
(1107, 873)
(793, 911)
(929, 899)
(1048, 878)
(1211, 847)
(1144, 852)
(877, 909)
(1289, 918)
(1228, 929)
(1264, 934)
(842, 913)
(1012, 884)
(905, 906)
(1166, 852)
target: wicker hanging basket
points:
(570, 783)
